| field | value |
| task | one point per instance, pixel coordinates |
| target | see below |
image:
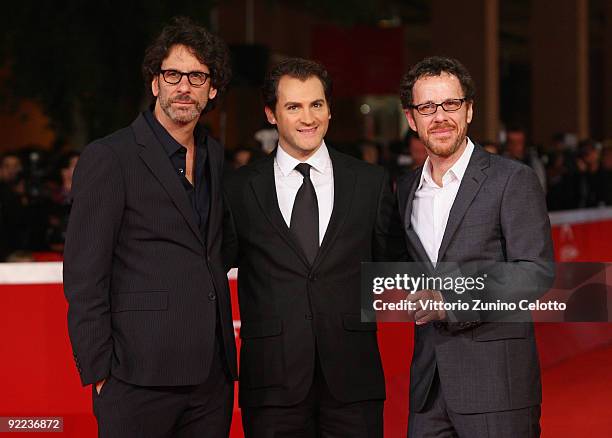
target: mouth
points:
(183, 99)
(308, 131)
(443, 131)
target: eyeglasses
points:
(449, 105)
(195, 78)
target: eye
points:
(292, 107)
(196, 76)
(452, 104)
(426, 107)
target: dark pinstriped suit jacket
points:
(499, 215)
(143, 287)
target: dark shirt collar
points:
(171, 146)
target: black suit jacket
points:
(499, 215)
(287, 306)
(143, 288)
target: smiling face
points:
(181, 103)
(444, 133)
(301, 115)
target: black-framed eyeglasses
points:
(449, 105)
(195, 78)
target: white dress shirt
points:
(288, 181)
(432, 203)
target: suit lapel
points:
(156, 159)
(471, 183)
(264, 188)
(344, 187)
(405, 202)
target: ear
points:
(410, 118)
(470, 111)
(155, 85)
(270, 115)
(212, 92)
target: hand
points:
(421, 315)
(99, 385)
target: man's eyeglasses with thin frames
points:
(449, 105)
(195, 78)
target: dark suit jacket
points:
(499, 215)
(288, 306)
(142, 286)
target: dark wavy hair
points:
(208, 48)
(435, 66)
(297, 68)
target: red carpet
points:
(38, 377)
(578, 396)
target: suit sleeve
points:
(389, 244)
(98, 201)
(528, 271)
(527, 234)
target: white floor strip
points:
(45, 272)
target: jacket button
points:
(308, 316)
(312, 277)
(212, 296)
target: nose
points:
(183, 86)
(440, 115)
(307, 117)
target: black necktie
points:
(305, 215)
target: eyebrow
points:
(300, 104)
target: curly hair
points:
(435, 66)
(297, 68)
(208, 48)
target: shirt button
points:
(212, 296)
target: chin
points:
(185, 118)
(309, 147)
(444, 148)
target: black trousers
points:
(124, 410)
(319, 415)
(438, 421)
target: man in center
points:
(301, 221)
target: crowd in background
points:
(572, 174)
(35, 185)
(34, 202)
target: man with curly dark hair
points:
(149, 313)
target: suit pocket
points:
(148, 300)
(104, 388)
(261, 354)
(352, 323)
(499, 331)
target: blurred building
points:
(546, 66)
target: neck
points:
(181, 132)
(441, 165)
(299, 154)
